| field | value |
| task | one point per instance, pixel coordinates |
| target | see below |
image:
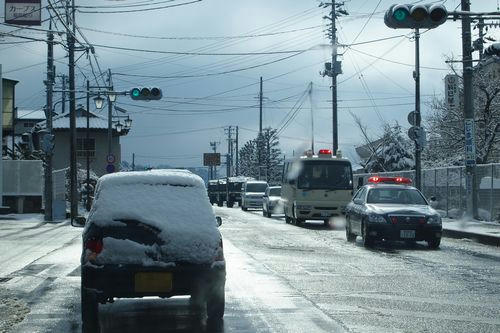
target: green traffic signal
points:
(400, 14)
(145, 94)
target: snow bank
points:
(175, 201)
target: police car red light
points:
(389, 180)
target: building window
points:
(29, 124)
(83, 146)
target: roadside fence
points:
(447, 185)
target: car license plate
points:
(153, 282)
(407, 233)
(325, 214)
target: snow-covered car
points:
(271, 202)
(151, 233)
(252, 193)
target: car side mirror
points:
(433, 198)
(78, 221)
(358, 201)
(219, 220)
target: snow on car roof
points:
(152, 177)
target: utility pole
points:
(470, 151)
(260, 106)
(86, 148)
(335, 133)
(133, 161)
(418, 118)
(110, 115)
(72, 108)
(335, 67)
(237, 153)
(480, 41)
(214, 144)
(48, 154)
(312, 115)
(229, 156)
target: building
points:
(96, 147)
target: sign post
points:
(452, 91)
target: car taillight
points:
(220, 252)
(94, 245)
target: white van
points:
(316, 187)
(252, 193)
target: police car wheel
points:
(367, 240)
(434, 243)
(268, 214)
(288, 219)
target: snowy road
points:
(281, 278)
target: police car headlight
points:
(376, 218)
(436, 219)
(304, 207)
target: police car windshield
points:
(325, 175)
(256, 187)
(405, 196)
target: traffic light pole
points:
(86, 148)
(418, 118)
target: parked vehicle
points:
(160, 238)
(252, 193)
(316, 187)
(212, 191)
(389, 208)
(271, 202)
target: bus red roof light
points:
(325, 152)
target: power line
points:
(136, 10)
(398, 62)
(203, 37)
(174, 133)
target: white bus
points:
(316, 187)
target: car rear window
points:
(406, 196)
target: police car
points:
(389, 208)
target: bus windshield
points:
(325, 175)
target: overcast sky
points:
(378, 90)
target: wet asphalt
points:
(280, 278)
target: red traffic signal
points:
(403, 16)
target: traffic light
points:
(145, 94)
(428, 16)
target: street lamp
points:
(112, 96)
(128, 122)
(99, 102)
(118, 127)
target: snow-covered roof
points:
(31, 114)
(62, 121)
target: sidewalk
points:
(479, 231)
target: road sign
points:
(412, 118)
(211, 159)
(111, 158)
(418, 135)
(452, 91)
(23, 12)
(470, 147)
(110, 168)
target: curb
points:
(480, 238)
